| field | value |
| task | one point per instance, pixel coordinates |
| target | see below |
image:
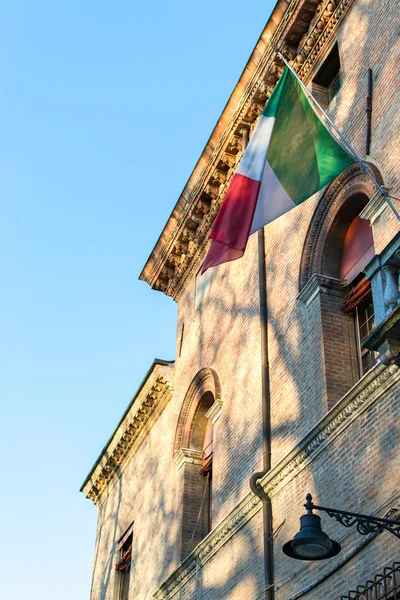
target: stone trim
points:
(206, 380)
(320, 34)
(375, 207)
(186, 455)
(351, 181)
(297, 28)
(215, 411)
(319, 284)
(367, 391)
(145, 409)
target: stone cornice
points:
(367, 391)
(144, 409)
(300, 28)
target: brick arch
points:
(352, 183)
(205, 381)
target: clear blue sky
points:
(104, 110)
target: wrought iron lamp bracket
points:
(365, 523)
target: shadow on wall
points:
(233, 313)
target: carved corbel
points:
(235, 144)
(288, 51)
(254, 111)
(200, 235)
(174, 260)
(389, 352)
(228, 161)
(167, 273)
(211, 191)
(162, 285)
(277, 68)
(264, 91)
(192, 248)
(204, 204)
(180, 248)
(391, 294)
(188, 234)
(270, 78)
(219, 177)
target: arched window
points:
(338, 247)
(197, 473)
(358, 251)
(193, 456)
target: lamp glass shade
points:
(311, 543)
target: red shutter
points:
(125, 560)
(356, 295)
(358, 249)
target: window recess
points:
(328, 81)
(123, 566)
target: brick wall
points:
(312, 365)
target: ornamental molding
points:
(145, 408)
(367, 391)
(320, 35)
(303, 30)
(350, 182)
(187, 455)
(375, 207)
(206, 380)
(321, 284)
(214, 412)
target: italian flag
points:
(290, 156)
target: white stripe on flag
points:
(255, 157)
(273, 200)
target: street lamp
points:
(311, 543)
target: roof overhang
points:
(303, 30)
(153, 394)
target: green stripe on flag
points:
(302, 153)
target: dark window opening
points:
(197, 486)
(327, 81)
(358, 250)
(365, 323)
(358, 303)
(123, 566)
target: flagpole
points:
(365, 169)
(255, 486)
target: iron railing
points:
(384, 586)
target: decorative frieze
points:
(144, 409)
(320, 34)
(302, 33)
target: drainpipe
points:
(266, 424)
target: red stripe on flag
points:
(231, 228)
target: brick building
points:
(190, 527)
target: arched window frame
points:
(320, 286)
(196, 481)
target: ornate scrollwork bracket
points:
(365, 523)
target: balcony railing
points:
(384, 586)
